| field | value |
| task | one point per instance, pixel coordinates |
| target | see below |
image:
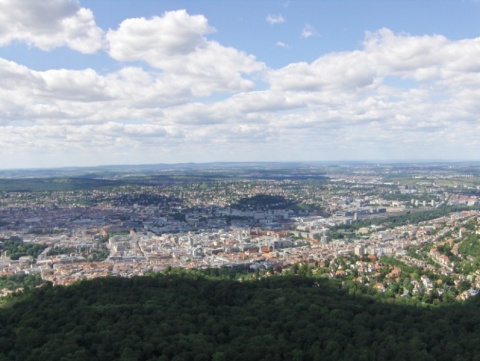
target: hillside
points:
(204, 315)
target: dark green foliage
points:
(17, 249)
(397, 263)
(43, 231)
(407, 218)
(53, 184)
(142, 199)
(470, 246)
(264, 201)
(91, 255)
(20, 281)
(205, 315)
(61, 250)
(98, 255)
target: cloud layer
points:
(48, 24)
(176, 44)
(179, 96)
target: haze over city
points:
(122, 82)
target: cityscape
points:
(239, 180)
(346, 221)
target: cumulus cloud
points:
(396, 96)
(274, 19)
(331, 72)
(48, 24)
(397, 89)
(422, 57)
(176, 44)
(174, 34)
(83, 96)
(281, 44)
(384, 54)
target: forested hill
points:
(196, 316)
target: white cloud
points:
(174, 34)
(346, 71)
(308, 31)
(389, 95)
(275, 19)
(420, 59)
(48, 24)
(395, 97)
(281, 44)
(176, 44)
(84, 96)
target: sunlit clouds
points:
(176, 94)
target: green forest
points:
(401, 220)
(17, 249)
(213, 315)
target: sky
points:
(103, 82)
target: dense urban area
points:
(409, 232)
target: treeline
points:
(413, 217)
(91, 255)
(13, 282)
(54, 184)
(205, 315)
(470, 246)
(407, 197)
(264, 201)
(17, 249)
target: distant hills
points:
(85, 178)
(115, 170)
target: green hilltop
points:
(220, 315)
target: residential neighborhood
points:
(343, 225)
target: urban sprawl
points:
(339, 226)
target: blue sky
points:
(124, 82)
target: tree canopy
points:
(210, 315)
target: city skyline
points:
(88, 83)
